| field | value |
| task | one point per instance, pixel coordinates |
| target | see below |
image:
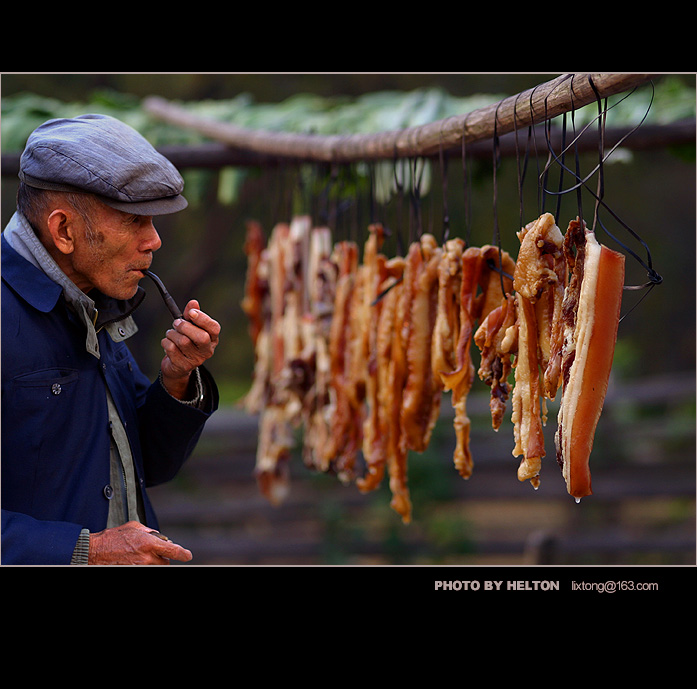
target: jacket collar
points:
(28, 281)
(35, 277)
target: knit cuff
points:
(198, 399)
(82, 548)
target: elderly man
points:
(84, 431)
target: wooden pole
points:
(533, 106)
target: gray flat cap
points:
(101, 155)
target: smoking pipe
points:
(169, 301)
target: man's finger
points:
(203, 320)
(198, 336)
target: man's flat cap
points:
(101, 155)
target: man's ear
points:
(61, 228)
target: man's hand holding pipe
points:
(188, 344)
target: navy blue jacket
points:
(55, 428)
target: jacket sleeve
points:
(30, 541)
(170, 429)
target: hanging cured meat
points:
(539, 281)
(376, 342)
(541, 278)
(392, 394)
(526, 414)
(359, 349)
(497, 340)
(422, 391)
(275, 423)
(256, 284)
(345, 377)
(496, 337)
(317, 321)
(480, 287)
(590, 317)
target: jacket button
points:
(108, 492)
(56, 389)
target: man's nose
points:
(151, 239)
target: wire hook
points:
(444, 181)
(496, 162)
(582, 183)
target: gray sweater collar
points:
(101, 312)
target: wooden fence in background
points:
(642, 511)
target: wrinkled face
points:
(112, 255)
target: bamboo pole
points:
(543, 102)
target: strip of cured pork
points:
(392, 390)
(526, 415)
(496, 336)
(497, 340)
(590, 316)
(422, 392)
(447, 328)
(347, 382)
(375, 341)
(539, 282)
(459, 380)
(275, 425)
(256, 282)
(256, 306)
(321, 288)
(480, 289)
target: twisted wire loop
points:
(540, 111)
(415, 194)
(521, 171)
(399, 187)
(497, 233)
(582, 183)
(466, 181)
(444, 180)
